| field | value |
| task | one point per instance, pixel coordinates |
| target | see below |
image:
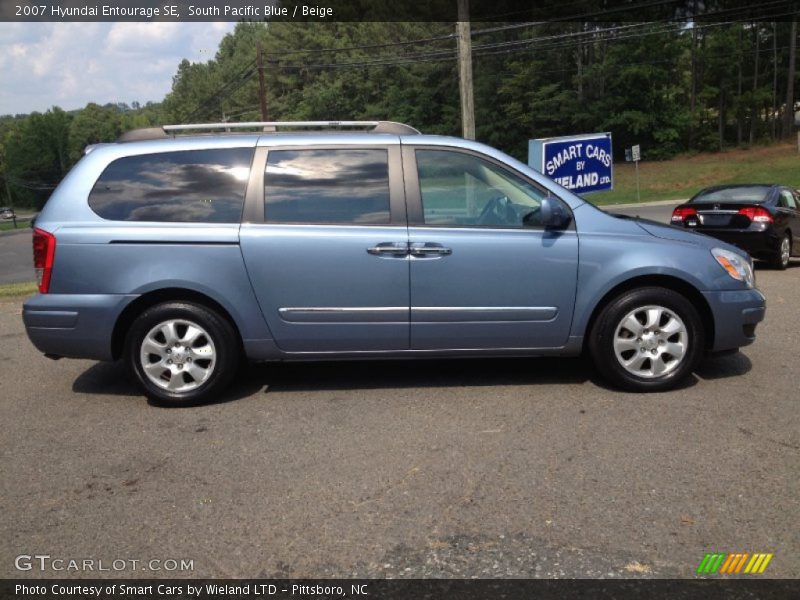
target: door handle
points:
(432, 249)
(389, 249)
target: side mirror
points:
(554, 214)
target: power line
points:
(567, 39)
(285, 52)
(237, 80)
(516, 46)
(654, 62)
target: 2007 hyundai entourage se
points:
(181, 253)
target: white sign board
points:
(636, 153)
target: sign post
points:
(636, 156)
(581, 163)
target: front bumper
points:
(736, 314)
(73, 325)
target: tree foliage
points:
(670, 87)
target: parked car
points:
(179, 254)
(7, 213)
(762, 219)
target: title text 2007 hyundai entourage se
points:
(182, 253)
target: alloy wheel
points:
(785, 250)
(651, 341)
(178, 355)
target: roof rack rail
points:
(150, 133)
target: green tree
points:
(92, 125)
(37, 156)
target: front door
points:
(484, 272)
(328, 259)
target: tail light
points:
(44, 252)
(681, 213)
(757, 214)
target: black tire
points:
(605, 329)
(217, 334)
(780, 261)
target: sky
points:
(71, 64)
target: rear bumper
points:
(762, 243)
(73, 325)
(736, 314)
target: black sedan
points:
(763, 219)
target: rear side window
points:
(787, 199)
(195, 186)
(348, 186)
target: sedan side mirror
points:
(554, 214)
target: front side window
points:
(195, 186)
(345, 186)
(460, 189)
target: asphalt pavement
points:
(487, 468)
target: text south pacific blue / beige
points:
(251, 10)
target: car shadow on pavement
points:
(105, 378)
(760, 265)
(111, 379)
(721, 367)
(388, 374)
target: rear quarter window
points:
(193, 186)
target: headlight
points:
(735, 265)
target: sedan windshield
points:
(744, 193)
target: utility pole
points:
(789, 114)
(262, 91)
(465, 71)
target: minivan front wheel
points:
(647, 339)
(182, 353)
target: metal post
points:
(638, 197)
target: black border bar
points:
(397, 10)
(412, 589)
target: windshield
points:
(745, 193)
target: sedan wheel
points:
(785, 252)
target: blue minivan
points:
(183, 253)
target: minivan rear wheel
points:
(182, 353)
(647, 339)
